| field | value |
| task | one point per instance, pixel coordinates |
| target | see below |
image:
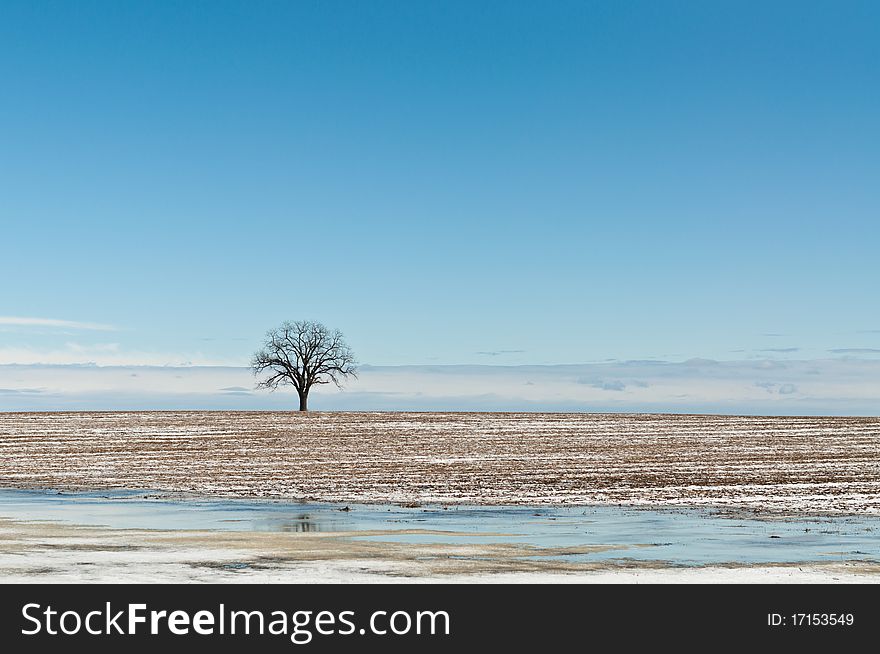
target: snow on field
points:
(817, 465)
(51, 552)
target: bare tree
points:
(303, 354)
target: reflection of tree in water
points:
(302, 523)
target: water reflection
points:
(300, 524)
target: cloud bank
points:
(769, 387)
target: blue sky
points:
(446, 182)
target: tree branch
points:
(303, 354)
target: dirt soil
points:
(814, 465)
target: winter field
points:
(804, 465)
(456, 497)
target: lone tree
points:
(303, 354)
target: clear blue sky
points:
(550, 182)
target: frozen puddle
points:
(675, 536)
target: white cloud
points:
(100, 354)
(809, 387)
(18, 321)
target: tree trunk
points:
(303, 401)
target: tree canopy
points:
(303, 354)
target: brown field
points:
(815, 465)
